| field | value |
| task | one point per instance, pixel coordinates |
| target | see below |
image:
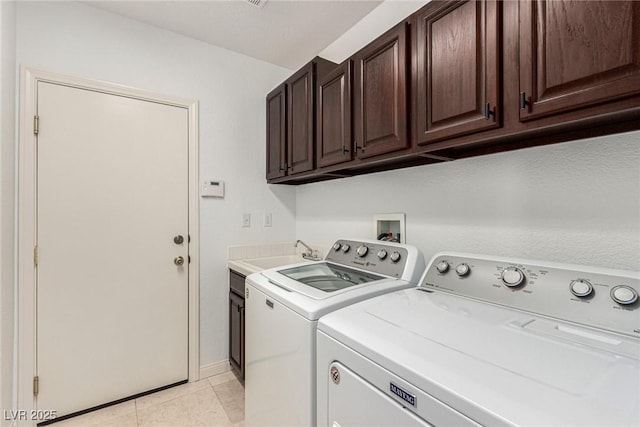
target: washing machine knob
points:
(442, 267)
(345, 248)
(581, 288)
(337, 246)
(463, 269)
(395, 256)
(362, 250)
(512, 277)
(382, 254)
(624, 295)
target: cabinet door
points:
(334, 141)
(380, 103)
(276, 132)
(236, 331)
(300, 107)
(577, 53)
(456, 74)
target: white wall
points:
(576, 202)
(76, 39)
(7, 171)
(375, 23)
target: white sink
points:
(275, 261)
(254, 265)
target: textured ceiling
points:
(285, 33)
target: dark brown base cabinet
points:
(236, 323)
(463, 78)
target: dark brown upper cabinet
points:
(575, 54)
(380, 94)
(291, 121)
(334, 138)
(300, 109)
(456, 73)
(276, 132)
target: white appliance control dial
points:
(624, 295)
(337, 246)
(581, 288)
(345, 248)
(382, 254)
(462, 269)
(512, 277)
(395, 256)
(362, 250)
(442, 267)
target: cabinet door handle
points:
(355, 144)
(488, 112)
(344, 150)
(523, 101)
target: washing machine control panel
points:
(389, 259)
(595, 297)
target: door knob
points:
(178, 261)
(178, 240)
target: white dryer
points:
(486, 341)
(283, 306)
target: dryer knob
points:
(337, 246)
(345, 248)
(395, 256)
(624, 295)
(512, 277)
(362, 250)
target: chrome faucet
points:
(310, 254)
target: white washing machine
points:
(283, 306)
(486, 341)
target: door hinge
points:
(36, 255)
(36, 385)
(36, 125)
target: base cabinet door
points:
(380, 94)
(456, 78)
(575, 54)
(236, 323)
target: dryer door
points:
(355, 402)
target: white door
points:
(112, 193)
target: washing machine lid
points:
(312, 303)
(326, 277)
(496, 365)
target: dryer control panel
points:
(595, 297)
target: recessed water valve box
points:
(390, 227)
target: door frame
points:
(27, 220)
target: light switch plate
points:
(246, 220)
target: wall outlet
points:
(267, 220)
(246, 220)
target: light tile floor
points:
(216, 401)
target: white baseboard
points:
(214, 369)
